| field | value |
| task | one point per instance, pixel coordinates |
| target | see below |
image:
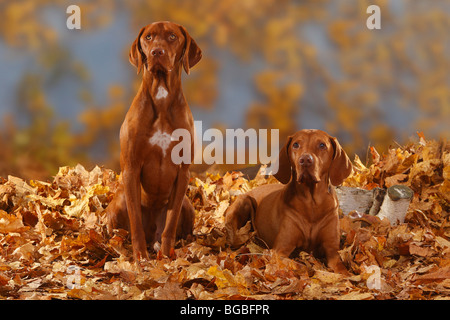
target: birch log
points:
(360, 200)
(392, 204)
(396, 204)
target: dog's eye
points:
(172, 37)
(322, 146)
(149, 37)
(295, 145)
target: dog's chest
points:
(162, 140)
(161, 136)
(162, 93)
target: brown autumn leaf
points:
(421, 250)
(438, 275)
(170, 291)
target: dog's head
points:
(161, 47)
(310, 156)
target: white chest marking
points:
(162, 140)
(162, 93)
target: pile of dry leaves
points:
(54, 245)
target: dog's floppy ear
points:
(136, 56)
(284, 172)
(341, 166)
(192, 53)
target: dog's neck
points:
(309, 189)
(163, 89)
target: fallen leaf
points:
(170, 291)
(11, 223)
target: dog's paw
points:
(172, 255)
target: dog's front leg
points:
(132, 187)
(329, 236)
(174, 209)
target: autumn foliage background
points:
(266, 64)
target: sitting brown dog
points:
(151, 200)
(303, 211)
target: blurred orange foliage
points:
(354, 82)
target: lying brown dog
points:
(302, 213)
(151, 201)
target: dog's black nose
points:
(158, 52)
(306, 160)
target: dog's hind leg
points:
(116, 212)
(237, 216)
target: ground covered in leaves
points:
(54, 244)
